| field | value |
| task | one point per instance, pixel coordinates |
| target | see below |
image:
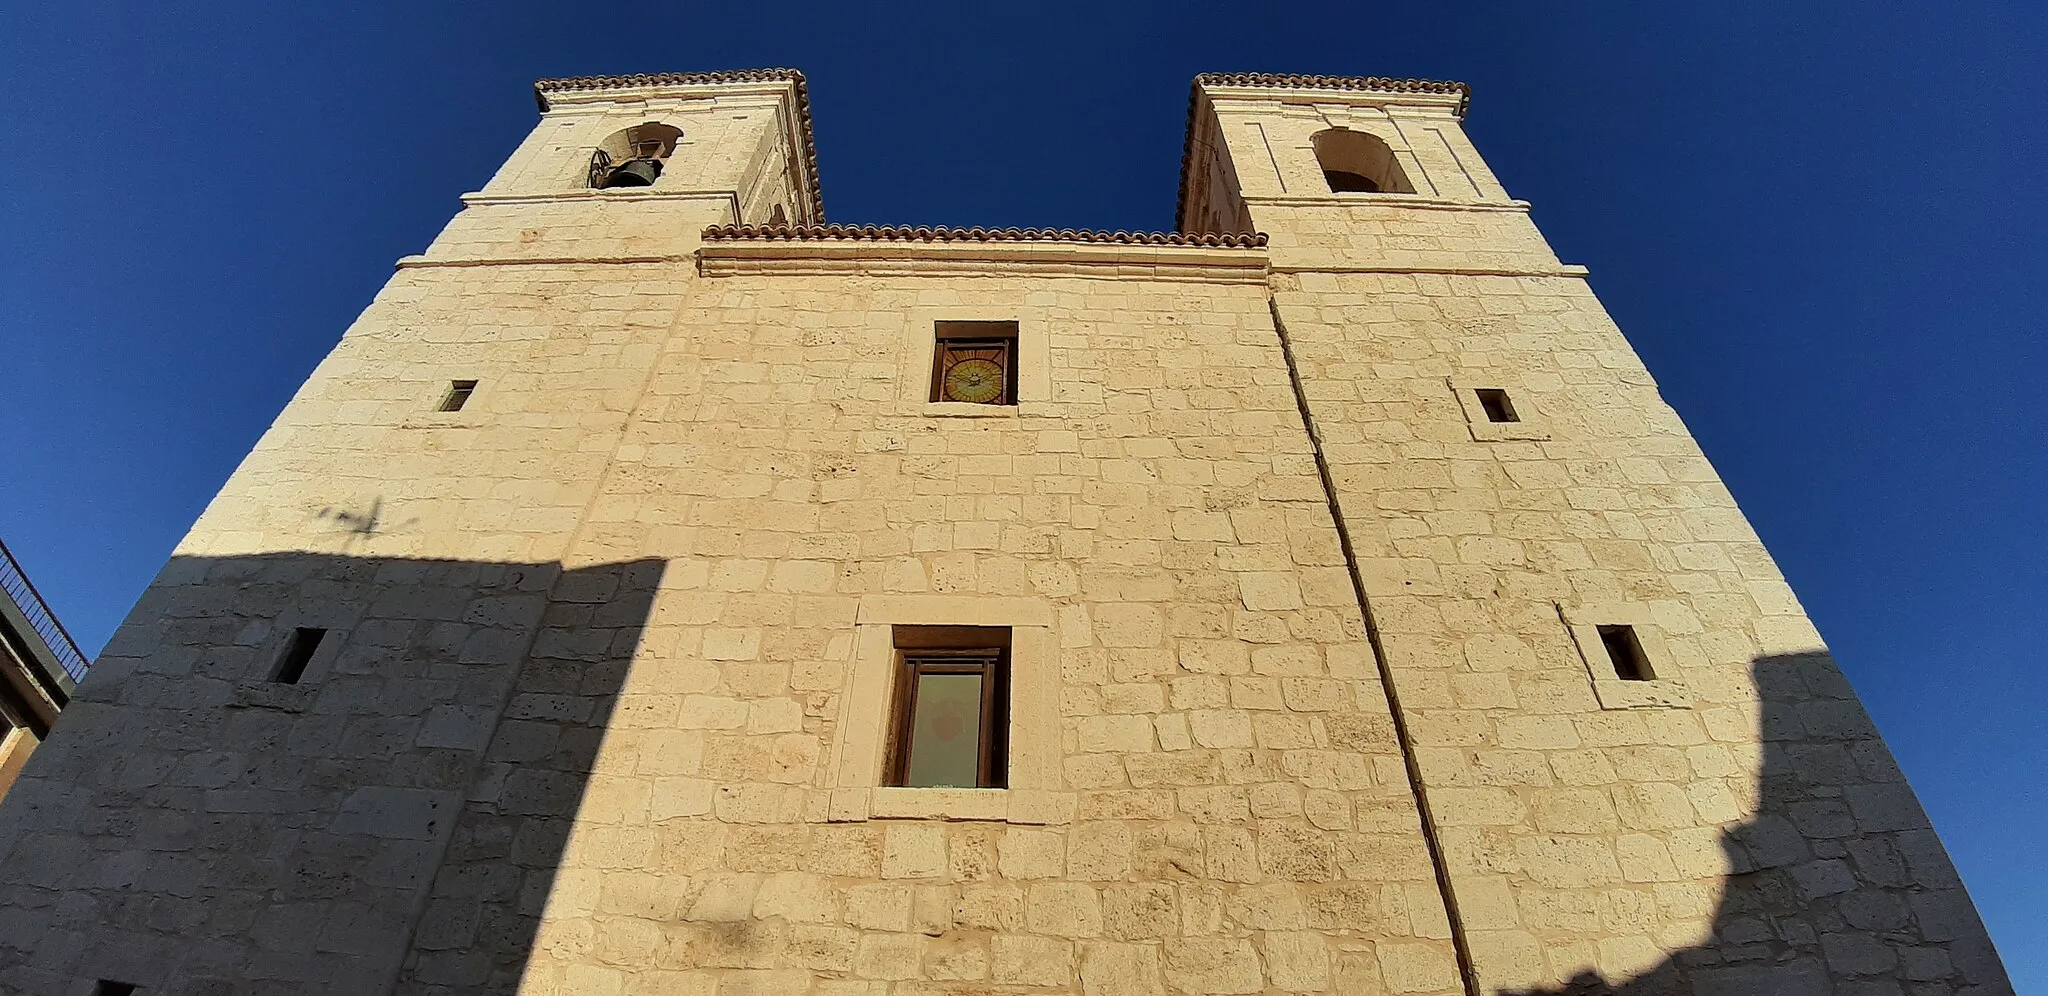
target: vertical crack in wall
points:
(1466, 973)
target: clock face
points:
(976, 380)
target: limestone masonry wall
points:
(604, 692)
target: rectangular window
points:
(109, 987)
(458, 395)
(1626, 653)
(297, 654)
(975, 362)
(1495, 402)
(952, 712)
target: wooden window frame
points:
(993, 664)
(961, 336)
(858, 768)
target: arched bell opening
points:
(1347, 182)
(1357, 162)
(633, 157)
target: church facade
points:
(659, 590)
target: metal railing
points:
(40, 618)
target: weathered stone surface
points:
(589, 718)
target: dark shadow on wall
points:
(1838, 886)
(396, 820)
(480, 926)
(198, 828)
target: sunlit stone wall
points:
(604, 702)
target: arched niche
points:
(1359, 162)
(633, 157)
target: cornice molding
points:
(943, 233)
(1161, 257)
(1372, 84)
(430, 262)
(1413, 202)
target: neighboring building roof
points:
(808, 154)
(39, 663)
(1298, 81)
(942, 233)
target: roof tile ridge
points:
(607, 81)
(1391, 84)
(947, 233)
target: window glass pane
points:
(945, 735)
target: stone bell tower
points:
(380, 664)
(620, 166)
(660, 591)
(1637, 763)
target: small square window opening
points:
(952, 707)
(975, 362)
(109, 987)
(1496, 404)
(1625, 650)
(458, 395)
(297, 654)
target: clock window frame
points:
(956, 342)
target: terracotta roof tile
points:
(941, 233)
(1382, 84)
(541, 89)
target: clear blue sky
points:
(1821, 225)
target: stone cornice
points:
(1372, 84)
(726, 198)
(944, 234)
(1561, 270)
(430, 262)
(547, 89)
(730, 250)
(1406, 202)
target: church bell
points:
(634, 173)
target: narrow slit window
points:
(109, 987)
(975, 362)
(952, 708)
(458, 395)
(1496, 405)
(1625, 651)
(297, 654)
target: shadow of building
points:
(395, 821)
(1838, 885)
(199, 826)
